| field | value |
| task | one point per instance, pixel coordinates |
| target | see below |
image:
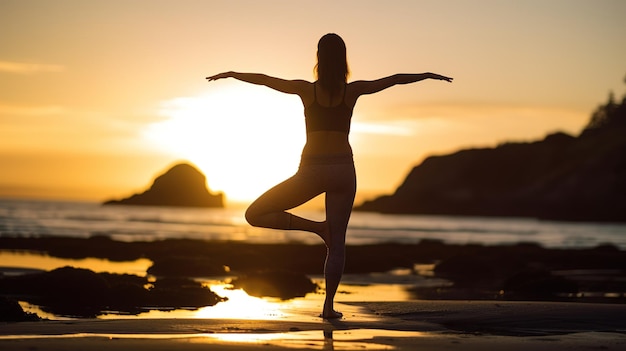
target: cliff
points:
(182, 185)
(560, 177)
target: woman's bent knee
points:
(252, 217)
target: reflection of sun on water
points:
(21, 261)
(325, 339)
(239, 305)
(244, 138)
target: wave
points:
(182, 222)
(456, 230)
(139, 223)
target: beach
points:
(401, 301)
(80, 273)
(408, 325)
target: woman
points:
(326, 165)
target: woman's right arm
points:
(364, 87)
(282, 85)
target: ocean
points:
(134, 223)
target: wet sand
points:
(470, 321)
(409, 325)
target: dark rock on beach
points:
(537, 284)
(275, 283)
(530, 272)
(11, 311)
(560, 177)
(523, 271)
(181, 293)
(183, 185)
(186, 266)
(83, 293)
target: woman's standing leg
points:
(339, 202)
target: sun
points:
(244, 138)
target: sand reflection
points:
(354, 339)
(24, 261)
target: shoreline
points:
(431, 270)
(459, 316)
(409, 325)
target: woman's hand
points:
(440, 77)
(219, 76)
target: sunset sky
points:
(99, 97)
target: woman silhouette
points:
(326, 165)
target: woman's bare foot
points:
(331, 315)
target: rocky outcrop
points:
(11, 311)
(466, 272)
(79, 292)
(560, 177)
(182, 185)
(282, 284)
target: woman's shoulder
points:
(307, 91)
(303, 86)
(353, 91)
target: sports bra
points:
(327, 118)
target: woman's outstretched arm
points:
(364, 87)
(282, 85)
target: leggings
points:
(333, 175)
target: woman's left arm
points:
(282, 85)
(364, 87)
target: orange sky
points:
(98, 97)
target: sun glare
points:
(240, 305)
(244, 138)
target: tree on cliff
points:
(610, 115)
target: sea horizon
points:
(71, 218)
